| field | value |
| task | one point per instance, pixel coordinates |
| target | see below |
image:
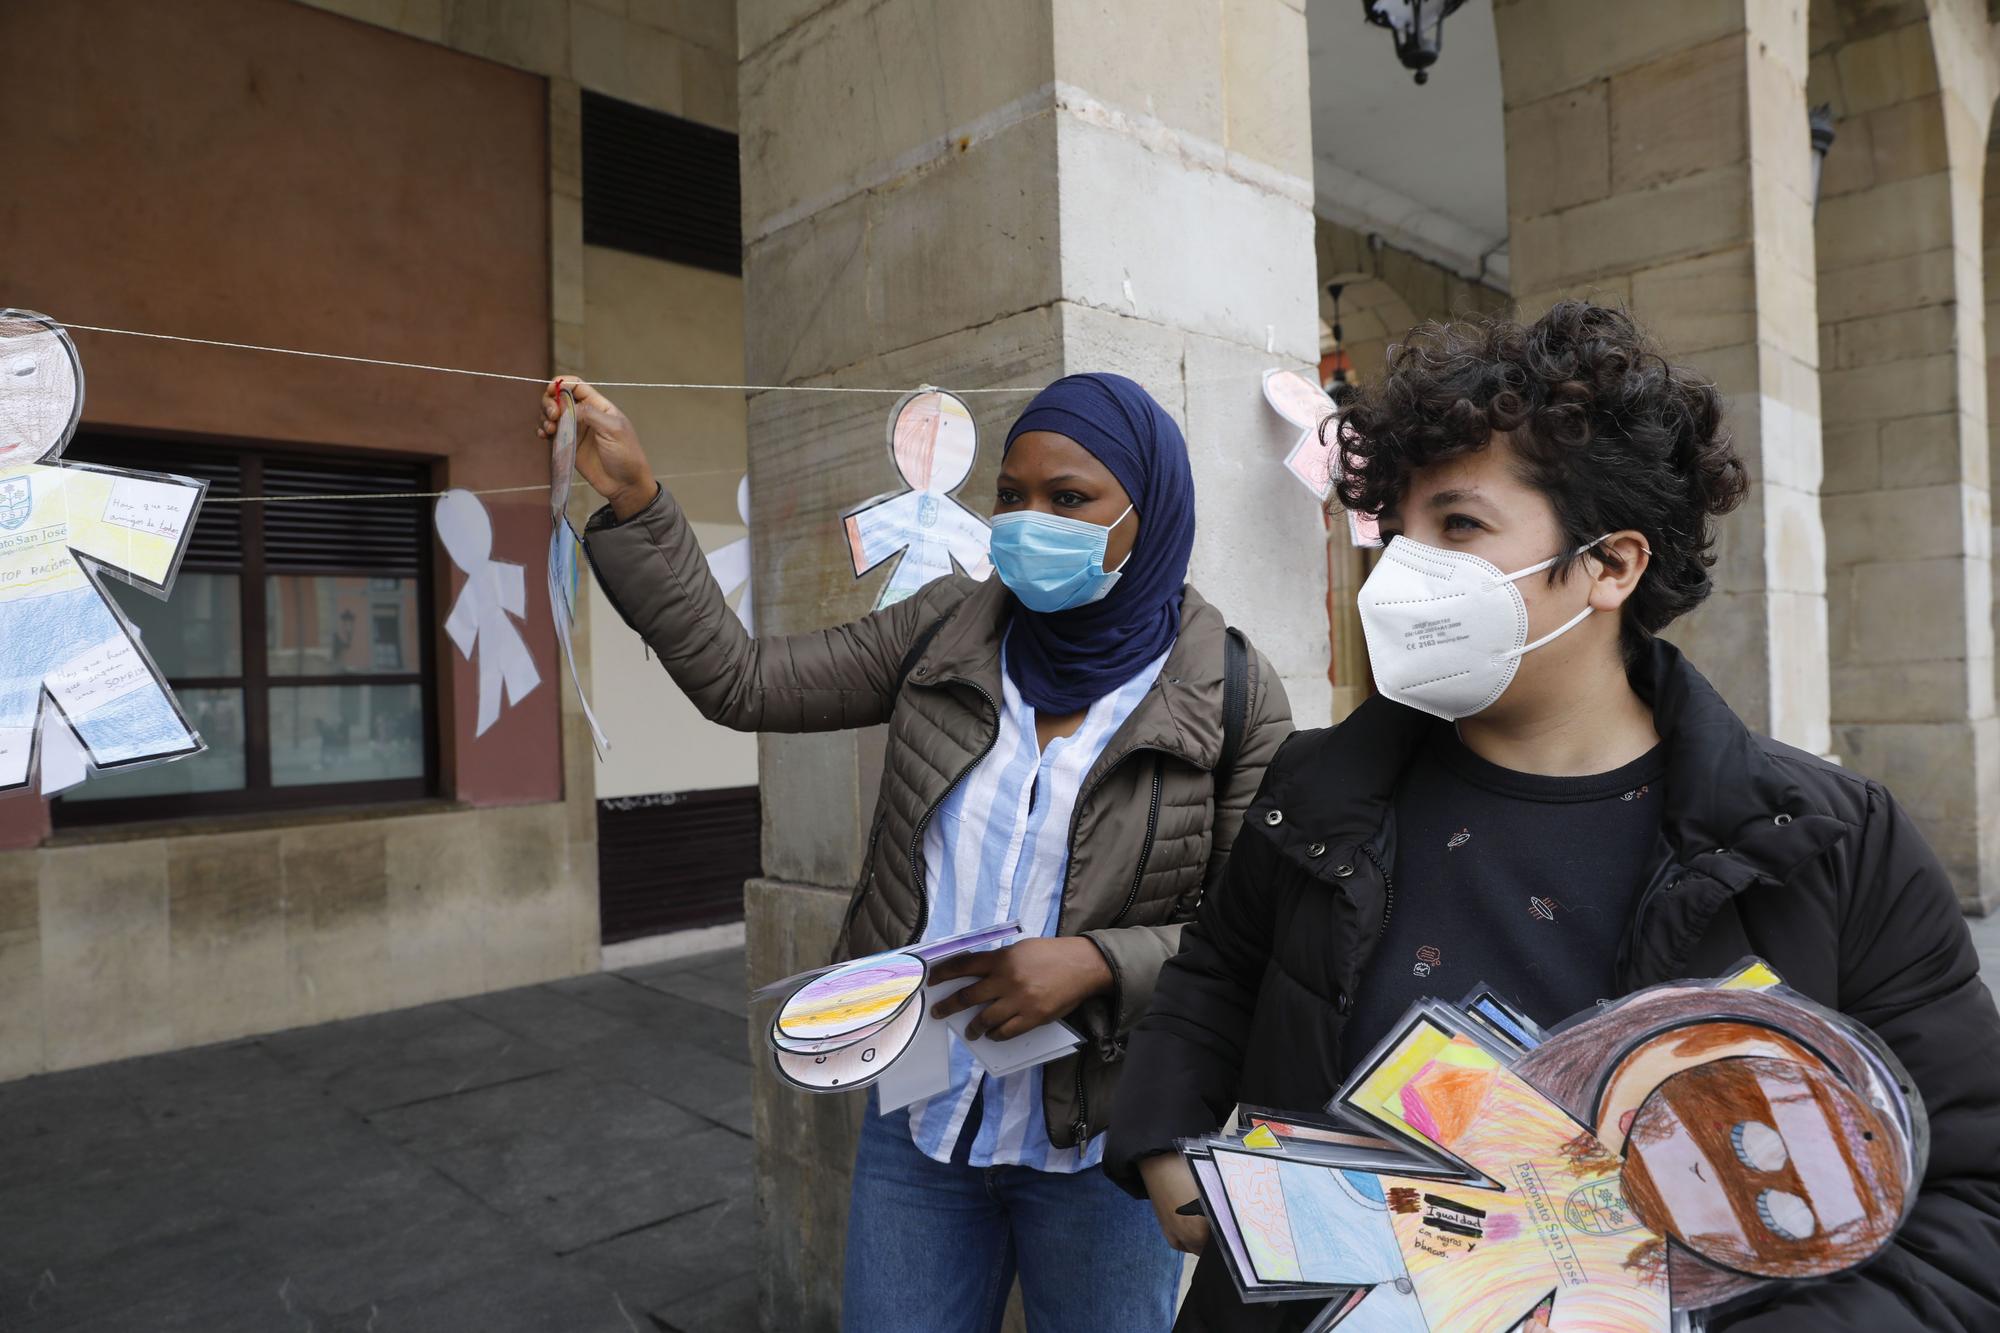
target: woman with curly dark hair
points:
(1547, 798)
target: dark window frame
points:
(258, 795)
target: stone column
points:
(982, 196)
(1657, 155)
(1908, 522)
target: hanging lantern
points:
(1418, 27)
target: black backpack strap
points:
(1235, 704)
(917, 646)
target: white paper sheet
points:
(63, 761)
(924, 1068)
(1036, 1046)
(730, 565)
(161, 508)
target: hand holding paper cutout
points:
(482, 619)
(605, 448)
(932, 442)
(63, 526)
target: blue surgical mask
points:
(1053, 563)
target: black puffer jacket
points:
(1770, 851)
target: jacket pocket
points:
(1292, 1059)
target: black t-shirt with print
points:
(1522, 881)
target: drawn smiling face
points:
(41, 388)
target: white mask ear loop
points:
(1113, 528)
(1573, 621)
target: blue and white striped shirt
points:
(998, 850)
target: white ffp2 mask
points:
(1446, 630)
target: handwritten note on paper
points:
(160, 508)
(98, 675)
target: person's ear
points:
(1611, 585)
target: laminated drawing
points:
(1681, 1148)
(868, 1022)
(932, 442)
(1311, 459)
(566, 560)
(69, 661)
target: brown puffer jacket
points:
(1150, 831)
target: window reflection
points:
(321, 625)
(217, 717)
(346, 733)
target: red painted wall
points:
(257, 171)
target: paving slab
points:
(573, 1158)
(728, 1308)
(658, 1266)
(567, 1157)
(716, 990)
(406, 1056)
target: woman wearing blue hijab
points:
(1071, 746)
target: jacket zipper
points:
(1082, 1121)
(1388, 890)
(1145, 848)
(917, 838)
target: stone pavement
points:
(565, 1158)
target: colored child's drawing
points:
(932, 442)
(850, 998)
(65, 527)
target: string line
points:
(433, 495)
(518, 379)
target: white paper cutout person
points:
(63, 528)
(731, 564)
(1311, 460)
(481, 620)
(932, 441)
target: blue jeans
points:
(934, 1247)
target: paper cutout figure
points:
(482, 619)
(731, 564)
(845, 1027)
(1312, 459)
(932, 442)
(64, 527)
(566, 560)
(1681, 1148)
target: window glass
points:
(196, 631)
(217, 717)
(346, 733)
(321, 625)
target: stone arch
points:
(1904, 493)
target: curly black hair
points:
(1601, 422)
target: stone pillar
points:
(1657, 155)
(982, 196)
(1908, 524)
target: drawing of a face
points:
(934, 441)
(1769, 1167)
(41, 388)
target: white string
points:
(433, 495)
(517, 379)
